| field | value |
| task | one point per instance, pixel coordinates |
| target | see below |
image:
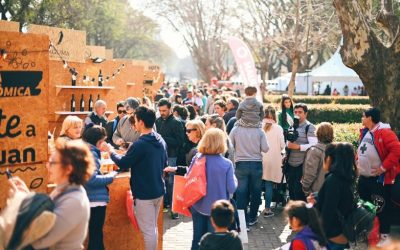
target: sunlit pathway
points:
(267, 234)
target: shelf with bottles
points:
(78, 112)
(84, 87)
(85, 105)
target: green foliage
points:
(347, 132)
(344, 113)
(324, 99)
(111, 23)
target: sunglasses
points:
(188, 130)
(121, 111)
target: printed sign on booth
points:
(23, 109)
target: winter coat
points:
(388, 146)
(272, 160)
(96, 187)
(313, 172)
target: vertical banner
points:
(245, 63)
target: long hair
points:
(270, 113)
(283, 108)
(308, 217)
(343, 160)
(192, 112)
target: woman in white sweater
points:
(272, 160)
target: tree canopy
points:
(111, 23)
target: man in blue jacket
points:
(146, 158)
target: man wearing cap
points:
(124, 132)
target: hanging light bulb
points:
(113, 76)
(123, 65)
(65, 64)
(118, 71)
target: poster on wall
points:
(24, 80)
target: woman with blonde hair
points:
(221, 181)
(313, 173)
(272, 160)
(71, 128)
(69, 167)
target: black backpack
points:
(359, 222)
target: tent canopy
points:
(334, 70)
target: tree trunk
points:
(295, 66)
(263, 85)
(377, 65)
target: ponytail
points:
(314, 223)
(308, 215)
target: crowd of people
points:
(248, 148)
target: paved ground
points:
(268, 233)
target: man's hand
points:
(378, 171)
(294, 146)
(106, 147)
(119, 142)
(170, 169)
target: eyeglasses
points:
(121, 111)
(188, 130)
(52, 163)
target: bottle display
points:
(90, 103)
(82, 104)
(73, 77)
(100, 79)
(73, 103)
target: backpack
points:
(26, 218)
(359, 222)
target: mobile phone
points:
(8, 173)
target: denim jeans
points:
(335, 246)
(268, 186)
(248, 174)
(201, 226)
(169, 183)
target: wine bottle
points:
(90, 103)
(100, 79)
(73, 78)
(98, 97)
(82, 104)
(73, 103)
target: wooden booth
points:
(35, 96)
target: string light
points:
(3, 54)
(73, 71)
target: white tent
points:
(334, 70)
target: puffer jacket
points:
(96, 187)
(388, 146)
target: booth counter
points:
(119, 233)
